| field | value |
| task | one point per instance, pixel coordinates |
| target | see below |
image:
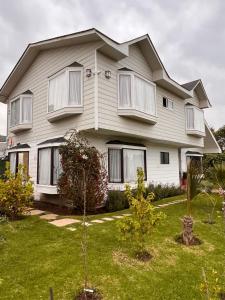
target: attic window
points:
(65, 89)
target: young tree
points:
(137, 227)
(194, 178)
(79, 159)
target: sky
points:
(189, 35)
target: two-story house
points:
(119, 95)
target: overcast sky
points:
(189, 35)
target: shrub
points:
(164, 191)
(144, 218)
(82, 171)
(16, 192)
(116, 201)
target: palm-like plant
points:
(219, 181)
(194, 177)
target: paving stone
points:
(107, 219)
(86, 224)
(49, 217)
(97, 221)
(118, 217)
(36, 212)
(71, 228)
(63, 222)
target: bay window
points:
(136, 94)
(123, 164)
(65, 89)
(21, 111)
(19, 158)
(49, 166)
(194, 120)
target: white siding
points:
(36, 79)
(171, 124)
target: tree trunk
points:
(187, 234)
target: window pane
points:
(12, 160)
(199, 120)
(44, 166)
(15, 112)
(144, 96)
(164, 158)
(57, 97)
(75, 88)
(124, 90)
(190, 118)
(57, 167)
(132, 159)
(23, 159)
(115, 165)
(26, 109)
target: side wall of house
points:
(170, 126)
(47, 63)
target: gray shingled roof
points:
(190, 85)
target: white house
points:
(119, 95)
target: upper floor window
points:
(164, 158)
(168, 103)
(136, 93)
(65, 89)
(194, 119)
(21, 110)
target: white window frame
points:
(20, 98)
(168, 100)
(195, 108)
(67, 70)
(132, 75)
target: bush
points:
(15, 193)
(164, 191)
(116, 201)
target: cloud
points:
(189, 35)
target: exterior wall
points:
(195, 100)
(36, 79)
(171, 124)
(156, 172)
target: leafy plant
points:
(16, 192)
(144, 217)
(78, 156)
(207, 187)
(116, 200)
(211, 286)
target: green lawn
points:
(35, 255)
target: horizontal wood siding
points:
(170, 125)
(36, 79)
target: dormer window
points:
(21, 113)
(65, 90)
(137, 97)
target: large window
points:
(137, 93)
(65, 89)
(194, 119)
(19, 158)
(21, 110)
(49, 166)
(123, 164)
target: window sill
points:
(47, 189)
(137, 115)
(64, 113)
(195, 132)
(20, 127)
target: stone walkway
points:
(59, 221)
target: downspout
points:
(96, 92)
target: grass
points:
(35, 256)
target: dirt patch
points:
(143, 256)
(88, 294)
(195, 241)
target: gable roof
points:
(190, 85)
(198, 87)
(109, 47)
